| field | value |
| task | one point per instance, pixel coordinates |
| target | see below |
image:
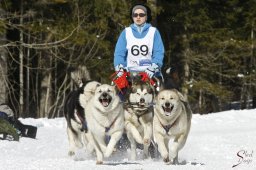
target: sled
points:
(8, 131)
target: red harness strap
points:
(145, 78)
(121, 82)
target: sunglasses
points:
(140, 14)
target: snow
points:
(216, 141)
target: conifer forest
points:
(48, 46)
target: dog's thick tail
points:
(69, 107)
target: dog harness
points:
(144, 112)
(167, 127)
(108, 128)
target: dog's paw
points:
(166, 160)
(146, 141)
(99, 162)
(71, 153)
(174, 161)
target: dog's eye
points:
(138, 93)
(145, 93)
(162, 98)
(171, 98)
(109, 90)
(100, 91)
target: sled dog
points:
(105, 118)
(172, 120)
(74, 113)
(139, 117)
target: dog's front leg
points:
(115, 137)
(101, 142)
(88, 144)
(174, 147)
(159, 139)
(99, 154)
(135, 133)
(148, 130)
(133, 145)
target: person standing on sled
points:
(139, 47)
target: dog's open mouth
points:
(168, 109)
(105, 99)
(141, 104)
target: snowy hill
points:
(216, 141)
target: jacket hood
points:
(145, 27)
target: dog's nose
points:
(142, 100)
(167, 104)
(104, 94)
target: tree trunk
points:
(48, 97)
(200, 101)
(27, 112)
(186, 65)
(3, 76)
(21, 83)
(253, 74)
(3, 67)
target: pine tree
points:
(209, 48)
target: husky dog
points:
(105, 118)
(172, 119)
(74, 113)
(139, 117)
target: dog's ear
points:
(150, 89)
(133, 89)
(181, 97)
(157, 98)
(93, 91)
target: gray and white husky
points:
(172, 120)
(105, 117)
(139, 117)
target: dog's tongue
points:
(168, 109)
(105, 103)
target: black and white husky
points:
(139, 117)
(74, 107)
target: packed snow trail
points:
(216, 141)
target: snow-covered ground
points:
(216, 141)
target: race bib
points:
(139, 49)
